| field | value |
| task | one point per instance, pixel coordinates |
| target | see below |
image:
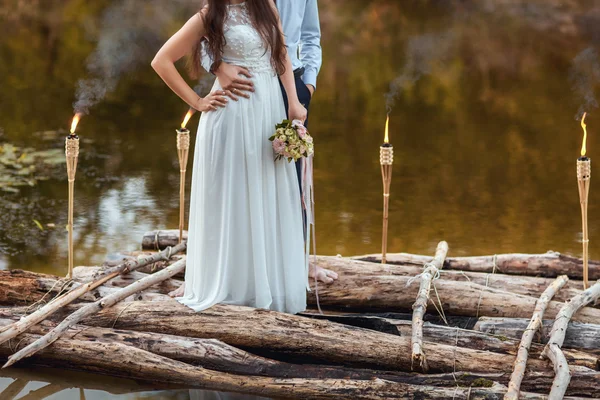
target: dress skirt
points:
(245, 234)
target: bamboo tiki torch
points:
(584, 170)
(183, 148)
(72, 154)
(386, 159)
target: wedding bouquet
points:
(291, 140)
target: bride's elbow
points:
(158, 64)
(155, 64)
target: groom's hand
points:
(311, 89)
(231, 78)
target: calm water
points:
(485, 139)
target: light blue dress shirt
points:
(302, 31)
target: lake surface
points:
(484, 127)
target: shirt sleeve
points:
(311, 54)
(206, 61)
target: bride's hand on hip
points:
(297, 111)
(212, 101)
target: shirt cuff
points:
(310, 77)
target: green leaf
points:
(38, 225)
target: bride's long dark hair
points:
(264, 20)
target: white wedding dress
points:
(245, 238)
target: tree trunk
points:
(551, 264)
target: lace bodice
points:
(245, 47)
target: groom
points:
(302, 31)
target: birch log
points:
(430, 272)
(550, 264)
(557, 337)
(534, 326)
(94, 308)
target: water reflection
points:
(196, 394)
(101, 388)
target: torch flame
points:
(187, 118)
(76, 119)
(387, 130)
(583, 149)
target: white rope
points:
(487, 281)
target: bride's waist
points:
(254, 66)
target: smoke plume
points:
(424, 54)
(584, 77)
(131, 32)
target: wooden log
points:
(585, 381)
(161, 239)
(525, 285)
(127, 361)
(535, 324)
(355, 290)
(94, 308)
(579, 335)
(84, 274)
(550, 264)
(457, 337)
(218, 356)
(22, 287)
(312, 339)
(87, 286)
(420, 306)
(157, 266)
(557, 337)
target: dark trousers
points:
(304, 97)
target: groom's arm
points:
(311, 54)
(230, 76)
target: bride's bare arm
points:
(296, 110)
(180, 44)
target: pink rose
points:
(301, 131)
(278, 146)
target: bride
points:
(245, 238)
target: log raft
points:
(361, 348)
